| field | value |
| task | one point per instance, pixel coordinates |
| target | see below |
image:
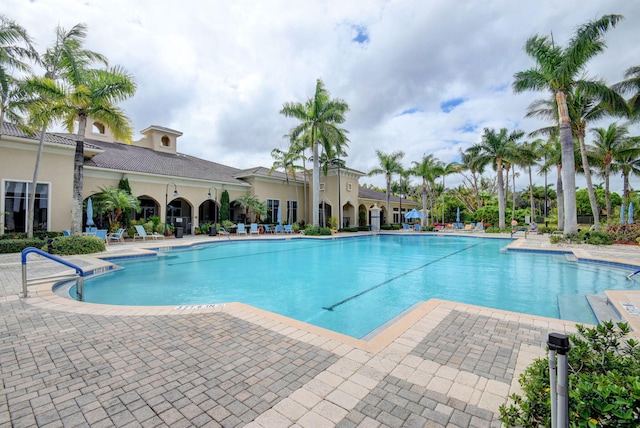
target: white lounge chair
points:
(241, 230)
(254, 229)
(116, 236)
(142, 233)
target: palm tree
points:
(115, 201)
(286, 162)
(249, 203)
(631, 84)
(527, 156)
(15, 46)
(444, 170)
(561, 71)
(471, 162)
(46, 100)
(628, 163)
(319, 119)
(493, 149)
(608, 144)
(427, 170)
(389, 165)
(94, 93)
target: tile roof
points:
(124, 157)
(261, 170)
(12, 130)
(366, 193)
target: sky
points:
(424, 77)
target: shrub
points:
(594, 238)
(604, 384)
(545, 229)
(317, 231)
(69, 245)
(624, 232)
(493, 229)
(8, 246)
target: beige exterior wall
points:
(17, 163)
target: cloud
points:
(425, 77)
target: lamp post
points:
(166, 203)
(215, 214)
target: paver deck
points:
(65, 363)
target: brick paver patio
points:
(444, 364)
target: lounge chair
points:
(417, 227)
(288, 228)
(241, 229)
(406, 227)
(279, 229)
(102, 234)
(116, 236)
(66, 232)
(90, 231)
(254, 229)
(267, 229)
(142, 233)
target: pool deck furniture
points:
(117, 236)
(279, 229)
(441, 364)
(253, 229)
(142, 233)
(240, 230)
(288, 228)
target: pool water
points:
(355, 285)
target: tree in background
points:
(319, 119)
(561, 71)
(389, 165)
(225, 206)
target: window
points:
(98, 128)
(166, 141)
(273, 209)
(321, 188)
(292, 211)
(16, 196)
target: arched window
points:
(98, 128)
(166, 141)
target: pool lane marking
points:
(330, 308)
(250, 255)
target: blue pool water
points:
(355, 285)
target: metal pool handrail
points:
(79, 271)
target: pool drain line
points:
(330, 308)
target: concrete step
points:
(602, 309)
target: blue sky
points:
(424, 77)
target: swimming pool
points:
(354, 285)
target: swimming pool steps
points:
(602, 309)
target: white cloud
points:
(220, 71)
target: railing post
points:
(559, 344)
(24, 280)
(79, 287)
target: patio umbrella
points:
(622, 213)
(458, 215)
(414, 213)
(279, 218)
(630, 221)
(90, 213)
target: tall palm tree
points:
(561, 71)
(607, 146)
(627, 162)
(527, 156)
(444, 170)
(15, 47)
(286, 161)
(46, 99)
(94, 93)
(389, 164)
(631, 85)
(471, 162)
(319, 119)
(427, 170)
(494, 148)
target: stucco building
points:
(169, 184)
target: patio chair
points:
(90, 231)
(66, 232)
(241, 230)
(102, 234)
(254, 229)
(279, 229)
(268, 229)
(116, 236)
(406, 227)
(417, 227)
(288, 228)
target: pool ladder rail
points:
(78, 275)
(222, 229)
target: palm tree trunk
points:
(424, 202)
(587, 175)
(78, 179)
(316, 184)
(34, 184)
(607, 195)
(560, 200)
(501, 221)
(513, 195)
(388, 199)
(532, 201)
(568, 166)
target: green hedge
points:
(62, 245)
